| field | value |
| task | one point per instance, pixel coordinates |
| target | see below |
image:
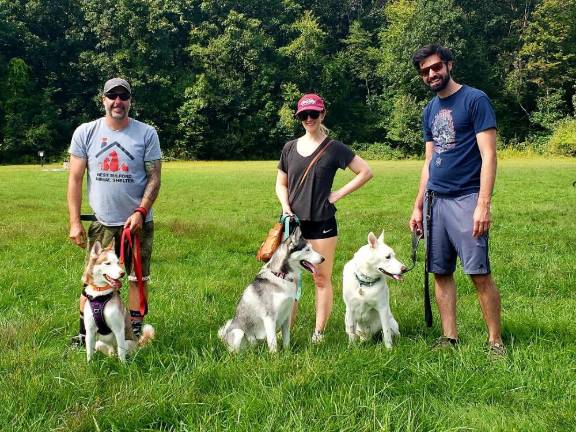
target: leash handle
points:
(416, 237)
(285, 220)
(137, 263)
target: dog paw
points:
(105, 349)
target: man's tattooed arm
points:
(153, 170)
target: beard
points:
(117, 115)
(442, 84)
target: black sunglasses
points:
(303, 115)
(436, 67)
(122, 96)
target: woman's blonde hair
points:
(323, 128)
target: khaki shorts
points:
(104, 234)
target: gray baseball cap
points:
(116, 82)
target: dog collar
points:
(100, 288)
(364, 280)
(282, 276)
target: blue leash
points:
(285, 219)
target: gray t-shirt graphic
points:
(116, 174)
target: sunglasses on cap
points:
(303, 115)
(436, 67)
(124, 96)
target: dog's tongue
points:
(114, 283)
(397, 277)
(308, 266)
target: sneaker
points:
(496, 350)
(444, 342)
(78, 341)
(317, 337)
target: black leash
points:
(427, 304)
(418, 235)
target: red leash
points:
(137, 263)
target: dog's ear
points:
(381, 238)
(96, 249)
(110, 246)
(372, 240)
(94, 253)
(296, 234)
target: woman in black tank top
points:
(310, 197)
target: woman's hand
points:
(334, 196)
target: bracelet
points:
(142, 211)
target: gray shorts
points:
(452, 224)
(105, 234)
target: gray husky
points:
(266, 304)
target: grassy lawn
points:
(210, 219)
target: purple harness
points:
(97, 305)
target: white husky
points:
(104, 307)
(266, 304)
(365, 291)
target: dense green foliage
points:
(204, 257)
(220, 78)
(563, 140)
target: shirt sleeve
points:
(283, 163)
(152, 151)
(345, 155)
(78, 143)
(482, 114)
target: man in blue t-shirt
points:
(456, 185)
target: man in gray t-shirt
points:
(122, 158)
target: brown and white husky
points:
(107, 322)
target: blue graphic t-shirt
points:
(115, 161)
(452, 124)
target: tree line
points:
(219, 79)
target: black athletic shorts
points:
(313, 230)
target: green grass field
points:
(210, 219)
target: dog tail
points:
(148, 334)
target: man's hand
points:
(416, 220)
(481, 219)
(135, 222)
(77, 234)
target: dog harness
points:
(97, 304)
